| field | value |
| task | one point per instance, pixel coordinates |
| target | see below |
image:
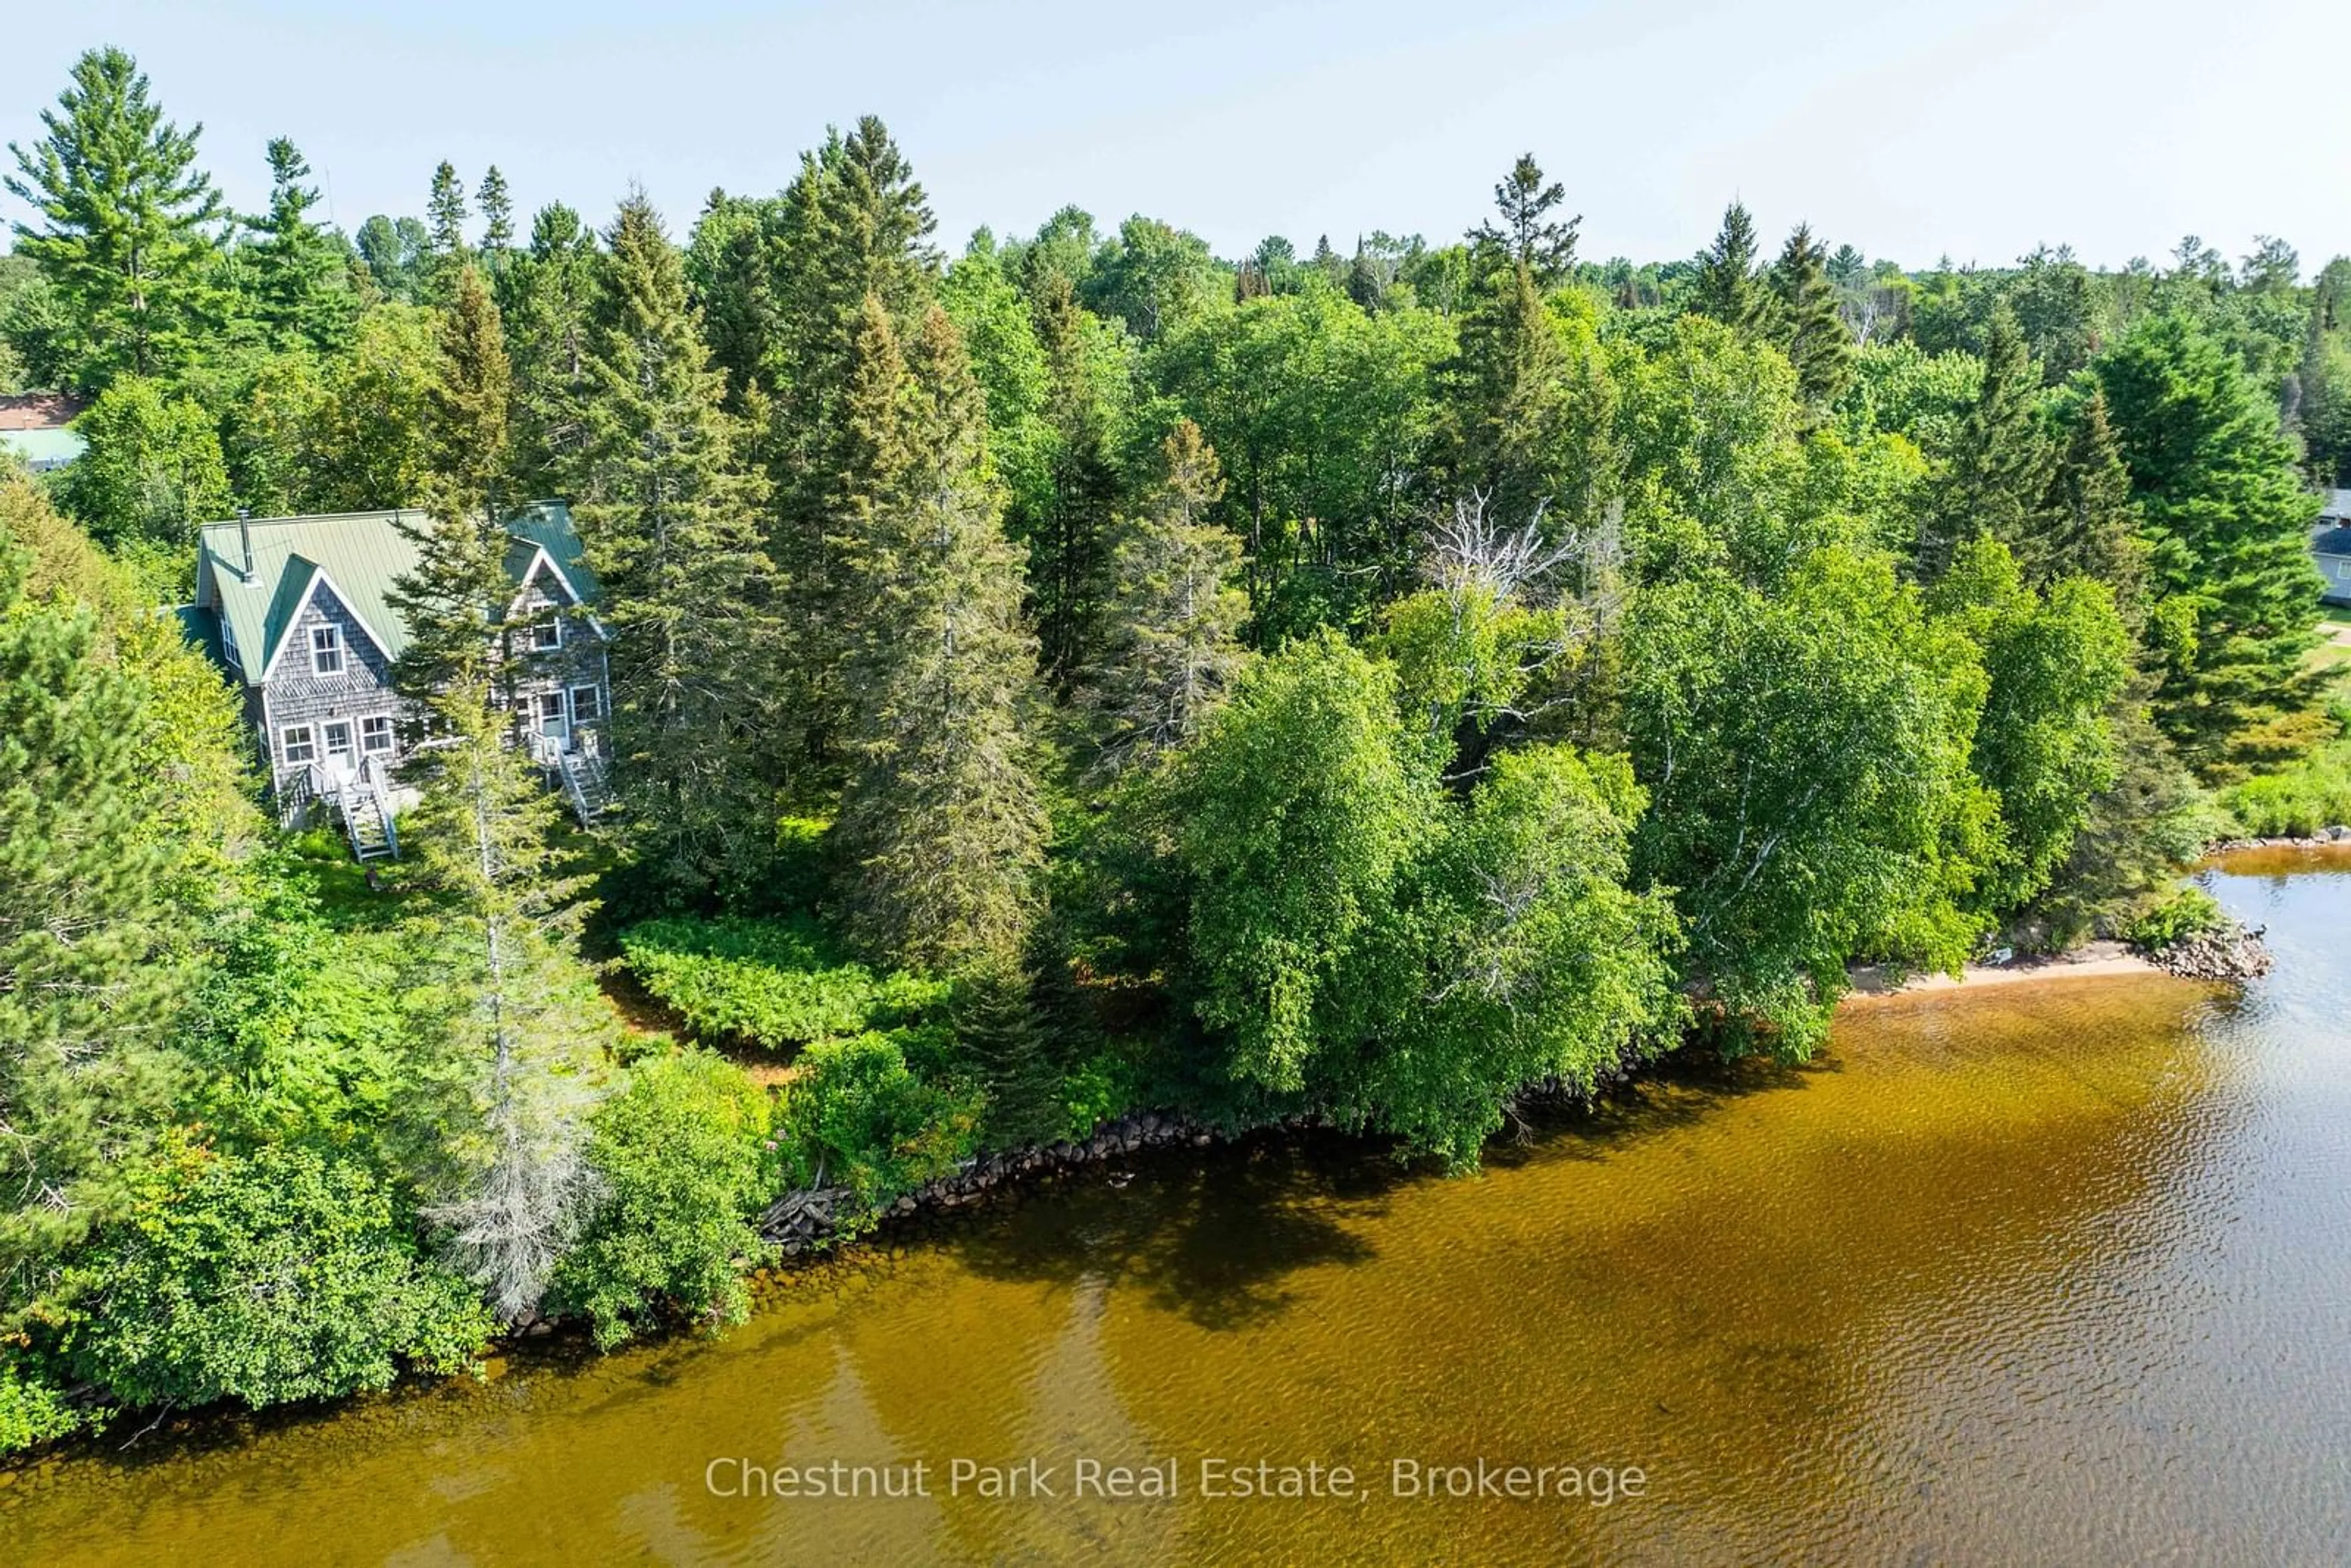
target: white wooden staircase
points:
(363, 807)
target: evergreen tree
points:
(1527, 234)
(544, 295)
(497, 218)
(299, 294)
(729, 271)
(90, 974)
(124, 241)
(2089, 524)
(2227, 523)
(1528, 407)
(940, 824)
(1809, 325)
(854, 227)
(1726, 288)
(1998, 471)
(671, 525)
(1069, 549)
(1173, 645)
(444, 221)
(505, 1023)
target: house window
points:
(338, 739)
(545, 636)
(294, 744)
(584, 709)
(550, 712)
(2343, 571)
(375, 734)
(326, 650)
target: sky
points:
(1970, 129)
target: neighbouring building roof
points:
(2338, 505)
(42, 449)
(361, 555)
(2334, 540)
(38, 411)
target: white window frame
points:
(595, 705)
(2343, 571)
(546, 636)
(325, 650)
(369, 736)
(308, 743)
(349, 749)
(547, 708)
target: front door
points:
(343, 754)
(552, 721)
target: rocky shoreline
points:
(2235, 954)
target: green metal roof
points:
(360, 554)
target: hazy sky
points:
(1975, 129)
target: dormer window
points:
(545, 636)
(326, 650)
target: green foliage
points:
(288, 1275)
(125, 242)
(2055, 666)
(33, 1410)
(2186, 913)
(2309, 794)
(770, 983)
(2227, 520)
(153, 471)
(857, 1116)
(1806, 757)
(680, 1155)
(670, 525)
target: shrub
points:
(285, 1276)
(681, 1154)
(32, 1409)
(2187, 912)
(859, 1116)
(770, 983)
(2297, 801)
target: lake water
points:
(2051, 1272)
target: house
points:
(37, 427)
(300, 612)
(2331, 546)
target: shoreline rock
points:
(2235, 954)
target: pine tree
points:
(90, 975)
(298, 291)
(444, 221)
(125, 215)
(1808, 324)
(544, 294)
(1998, 475)
(671, 526)
(1527, 234)
(2227, 522)
(505, 1023)
(940, 824)
(1526, 407)
(1726, 288)
(854, 224)
(1173, 645)
(497, 218)
(1069, 549)
(2089, 524)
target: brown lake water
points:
(2056, 1272)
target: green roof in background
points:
(362, 554)
(44, 448)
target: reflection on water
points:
(2056, 1272)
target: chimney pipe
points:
(244, 541)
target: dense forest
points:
(1081, 674)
